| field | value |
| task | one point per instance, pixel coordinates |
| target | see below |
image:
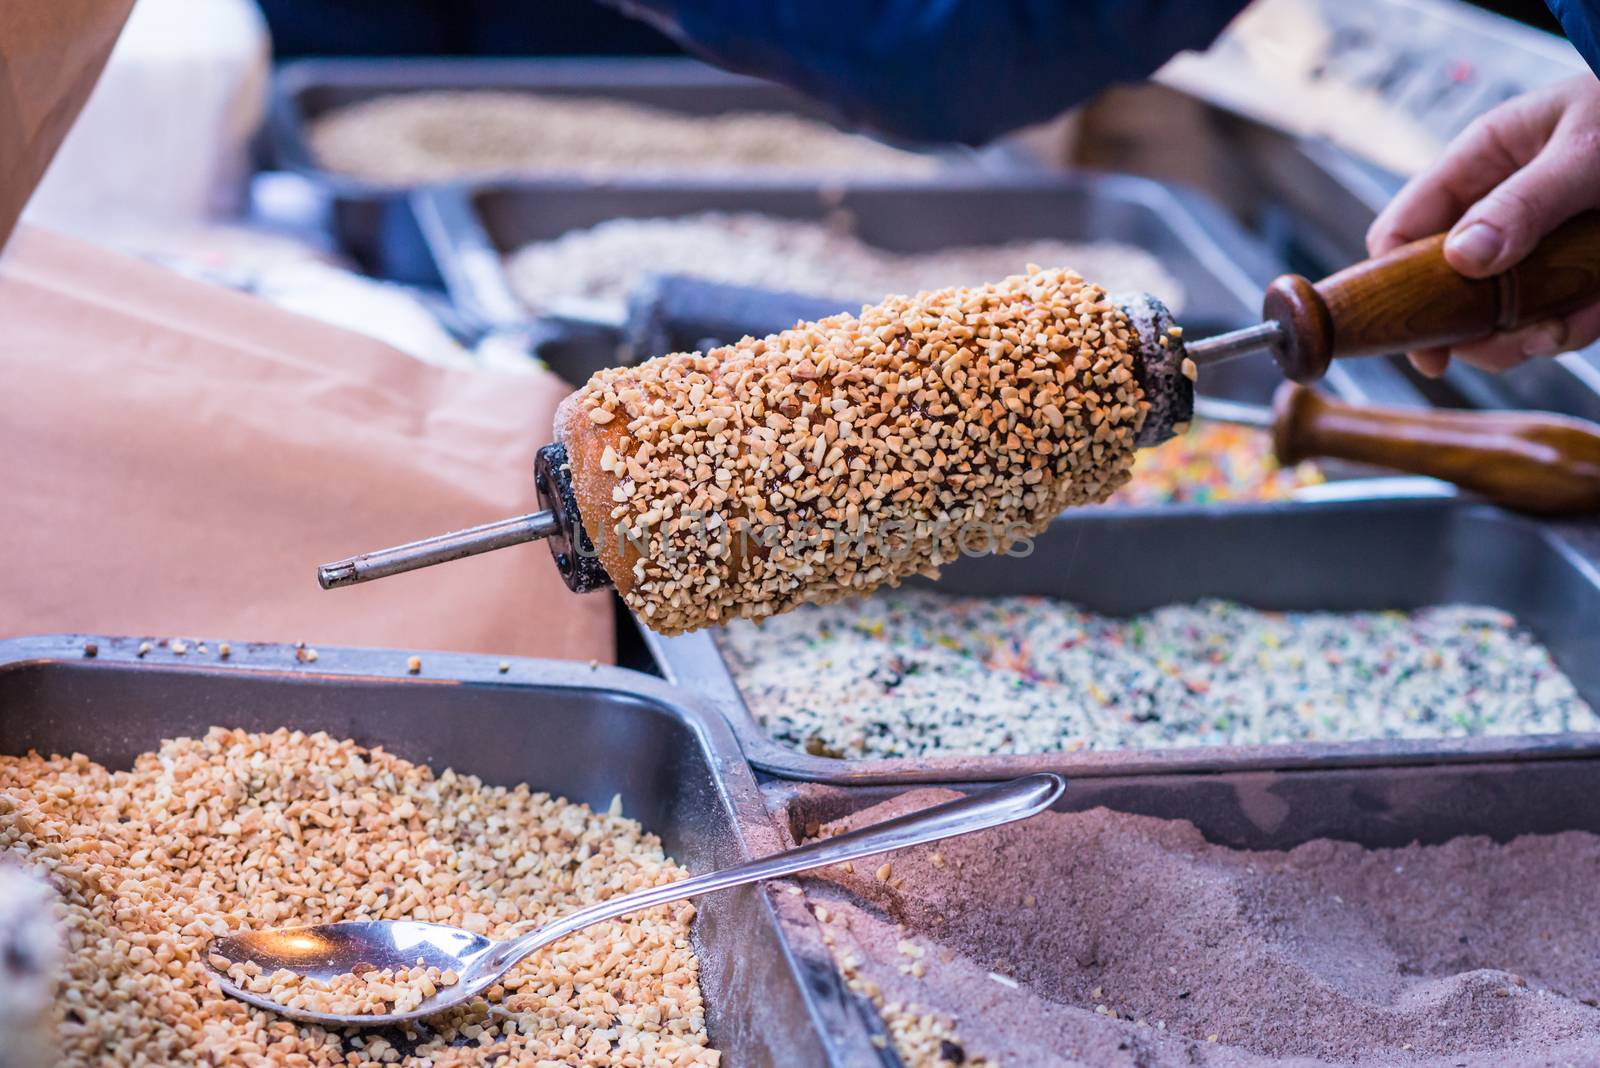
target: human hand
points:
(1506, 181)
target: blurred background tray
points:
(1222, 271)
(370, 219)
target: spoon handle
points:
(998, 805)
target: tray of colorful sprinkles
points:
(1182, 638)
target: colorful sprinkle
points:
(1213, 462)
(910, 673)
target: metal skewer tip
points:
(332, 576)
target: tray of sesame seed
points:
(170, 790)
(512, 252)
(364, 130)
(1182, 638)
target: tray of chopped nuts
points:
(170, 790)
(365, 129)
(1368, 916)
(1181, 638)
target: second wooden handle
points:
(1529, 461)
(1412, 299)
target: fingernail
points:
(1428, 364)
(1546, 340)
(1478, 245)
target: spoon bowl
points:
(328, 950)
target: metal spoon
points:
(333, 949)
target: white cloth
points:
(165, 135)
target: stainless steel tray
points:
(372, 220)
(1377, 807)
(1381, 807)
(470, 229)
(580, 733)
(1337, 555)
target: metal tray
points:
(1340, 555)
(580, 733)
(470, 229)
(372, 220)
(1376, 807)
(1381, 807)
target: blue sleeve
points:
(1581, 20)
(942, 70)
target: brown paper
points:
(51, 53)
(176, 459)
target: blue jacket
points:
(965, 70)
(1581, 20)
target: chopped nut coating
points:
(839, 456)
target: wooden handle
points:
(1412, 299)
(1528, 461)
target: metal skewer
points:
(535, 526)
(439, 549)
(1208, 352)
(1406, 299)
(1562, 485)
